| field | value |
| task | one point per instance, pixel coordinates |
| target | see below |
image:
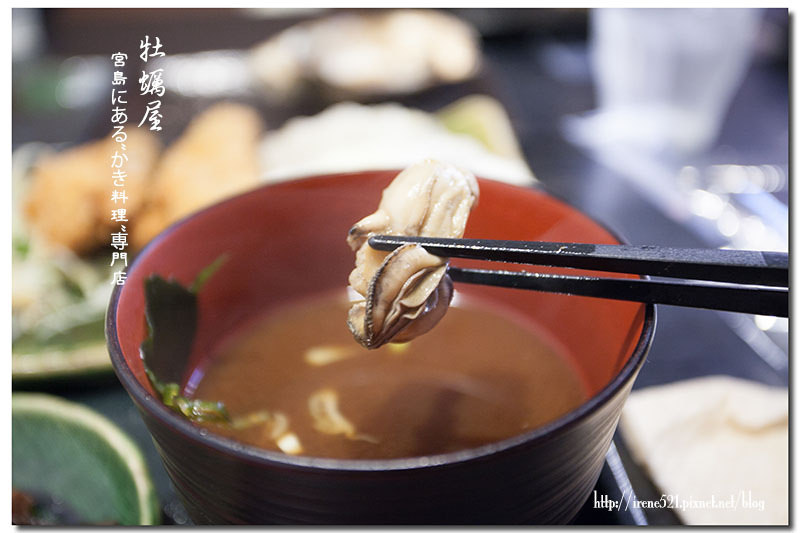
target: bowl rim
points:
(249, 453)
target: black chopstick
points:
(723, 297)
(730, 266)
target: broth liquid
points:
(478, 377)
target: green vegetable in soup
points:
(171, 314)
(195, 410)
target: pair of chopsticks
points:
(733, 280)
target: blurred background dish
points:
(73, 466)
(58, 297)
(713, 434)
(473, 132)
(528, 98)
(369, 53)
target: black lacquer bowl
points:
(286, 241)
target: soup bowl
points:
(287, 241)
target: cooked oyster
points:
(69, 201)
(216, 157)
(406, 292)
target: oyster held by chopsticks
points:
(406, 292)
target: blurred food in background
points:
(352, 137)
(358, 53)
(715, 436)
(58, 310)
(58, 298)
(69, 200)
(215, 157)
(63, 205)
(486, 119)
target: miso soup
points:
(303, 386)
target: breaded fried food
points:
(216, 157)
(69, 201)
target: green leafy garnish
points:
(71, 286)
(21, 246)
(171, 314)
(194, 409)
(206, 273)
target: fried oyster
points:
(69, 201)
(407, 291)
(215, 158)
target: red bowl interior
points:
(287, 241)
